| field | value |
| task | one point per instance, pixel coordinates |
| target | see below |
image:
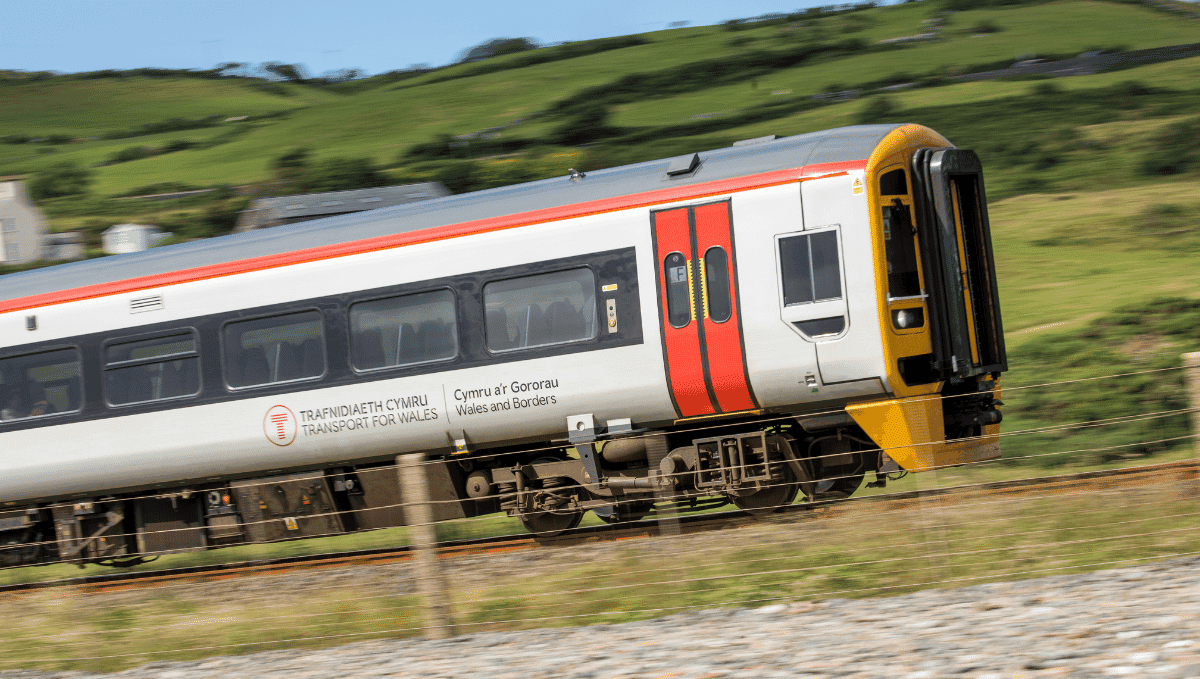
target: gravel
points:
(1132, 622)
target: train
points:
(740, 325)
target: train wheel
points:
(549, 524)
(635, 511)
(769, 499)
(556, 520)
(842, 487)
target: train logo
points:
(280, 425)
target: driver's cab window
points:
(899, 235)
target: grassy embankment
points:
(855, 550)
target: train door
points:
(828, 286)
(960, 273)
(699, 309)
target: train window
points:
(40, 384)
(152, 369)
(274, 349)
(540, 310)
(893, 183)
(679, 290)
(901, 250)
(810, 267)
(716, 275)
(403, 330)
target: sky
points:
(372, 35)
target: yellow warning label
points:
(858, 187)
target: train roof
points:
(829, 146)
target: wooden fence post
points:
(1191, 380)
(418, 514)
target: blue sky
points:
(373, 35)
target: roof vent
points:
(756, 140)
(683, 165)
(139, 305)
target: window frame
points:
(596, 321)
(841, 266)
(288, 312)
(708, 297)
(402, 366)
(82, 382)
(105, 366)
(690, 306)
(797, 313)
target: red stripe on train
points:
(636, 200)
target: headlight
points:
(906, 319)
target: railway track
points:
(1066, 483)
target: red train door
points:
(698, 309)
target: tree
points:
(63, 179)
(498, 47)
(342, 75)
(289, 72)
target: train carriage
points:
(745, 324)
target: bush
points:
(178, 145)
(1047, 89)
(63, 179)
(1174, 150)
(588, 124)
(291, 164)
(342, 174)
(458, 177)
(131, 153)
(878, 110)
(985, 27)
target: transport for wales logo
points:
(280, 425)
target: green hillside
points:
(1091, 178)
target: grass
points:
(931, 543)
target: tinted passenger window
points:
(679, 290)
(540, 310)
(151, 370)
(810, 267)
(716, 274)
(274, 349)
(403, 330)
(42, 384)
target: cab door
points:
(698, 309)
(959, 267)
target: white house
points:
(122, 238)
(22, 225)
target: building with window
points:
(122, 238)
(266, 212)
(60, 247)
(22, 225)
